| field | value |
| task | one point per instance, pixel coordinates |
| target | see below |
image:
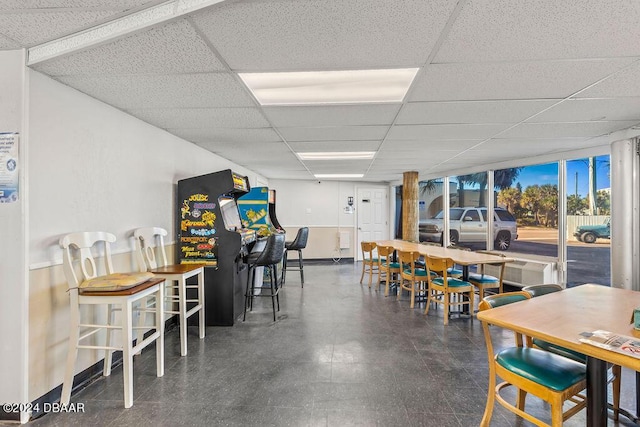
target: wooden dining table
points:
(561, 317)
(463, 258)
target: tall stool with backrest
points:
(412, 278)
(615, 376)
(442, 287)
(110, 289)
(149, 243)
(386, 266)
(369, 260)
(270, 256)
(298, 244)
(553, 378)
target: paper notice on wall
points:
(9, 167)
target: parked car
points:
(469, 224)
(591, 233)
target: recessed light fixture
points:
(337, 155)
(330, 87)
(339, 175)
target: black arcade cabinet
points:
(210, 232)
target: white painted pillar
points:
(14, 289)
(625, 216)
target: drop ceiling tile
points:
(625, 83)
(337, 133)
(163, 91)
(228, 135)
(426, 145)
(416, 113)
(279, 173)
(320, 146)
(202, 117)
(475, 131)
(7, 44)
(576, 110)
(33, 28)
(168, 49)
(518, 80)
(84, 4)
(495, 30)
(335, 115)
(530, 146)
(562, 130)
(413, 157)
(321, 34)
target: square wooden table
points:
(561, 317)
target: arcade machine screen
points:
(230, 215)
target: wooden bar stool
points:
(150, 240)
(113, 289)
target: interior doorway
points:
(372, 215)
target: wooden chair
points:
(149, 242)
(110, 289)
(412, 278)
(615, 375)
(484, 281)
(550, 377)
(442, 287)
(387, 267)
(369, 261)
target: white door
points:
(373, 216)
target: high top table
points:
(561, 317)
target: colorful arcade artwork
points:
(254, 210)
(198, 241)
(9, 170)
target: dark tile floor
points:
(340, 354)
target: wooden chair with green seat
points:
(412, 278)
(551, 377)
(442, 287)
(369, 261)
(484, 281)
(387, 267)
(615, 374)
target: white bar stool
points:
(148, 241)
(121, 290)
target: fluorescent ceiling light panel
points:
(337, 155)
(339, 175)
(330, 87)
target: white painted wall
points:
(92, 167)
(13, 283)
(318, 205)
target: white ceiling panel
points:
(333, 146)
(85, 4)
(168, 49)
(337, 133)
(334, 115)
(33, 28)
(231, 135)
(321, 34)
(408, 157)
(475, 131)
(6, 44)
(624, 83)
(202, 117)
(428, 145)
(495, 30)
(538, 145)
(560, 130)
(518, 80)
(164, 91)
(415, 113)
(575, 110)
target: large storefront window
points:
(468, 214)
(530, 194)
(431, 205)
(588, 217)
